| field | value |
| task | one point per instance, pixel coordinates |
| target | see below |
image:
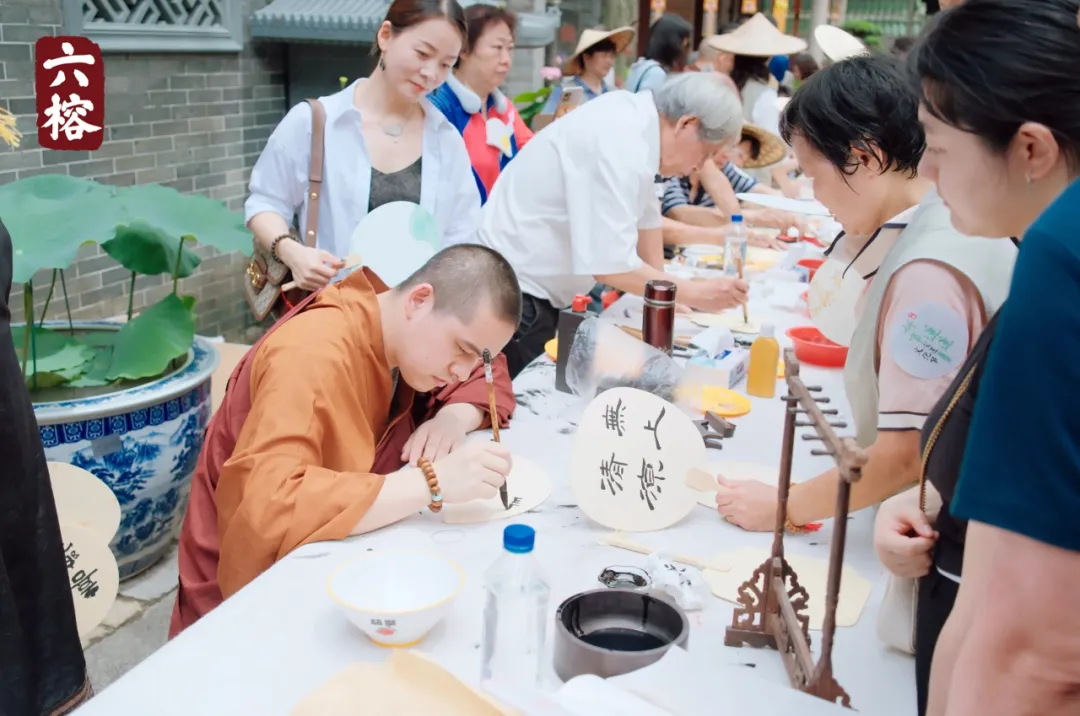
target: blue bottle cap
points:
(736, 218)
(519, 539)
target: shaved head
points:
(462, 276)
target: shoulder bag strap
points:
(937, 431)
(315, 171)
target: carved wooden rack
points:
(772, 603)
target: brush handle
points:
(738, 267)
(493, 413)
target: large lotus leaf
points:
(147, 343)
(149, 251)
(51, 380)
(94, 372)
(54, 352)
(175, 215)
(51, 216)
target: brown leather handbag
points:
(265, 274)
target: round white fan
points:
(838, 44)
(395, 240)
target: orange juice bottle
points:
(764, 356)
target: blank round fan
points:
(83, 500)
(395, 240)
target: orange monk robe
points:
(301, 445)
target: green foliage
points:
(869, 32)
(54, 359)
(530, 104)
(147, 250)
(149, 342)
(145, 229)
(50, 216)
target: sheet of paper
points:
(686, 686)
(407, 683)
(732, 320)
(527, 486)
(808, 207)
(812, 574)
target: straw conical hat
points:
(621, 36)
(757, 37)
(772, 149)
(838, 44)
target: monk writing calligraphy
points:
(326, 417)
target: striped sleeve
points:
(741, 182)
(676, 193)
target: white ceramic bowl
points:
(396, 596)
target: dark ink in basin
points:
(622, 639)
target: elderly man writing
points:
(578, 205)
(320, 416)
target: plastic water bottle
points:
(735, 238)
(515, 613)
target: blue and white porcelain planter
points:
(143, 443)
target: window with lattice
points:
(158, 25)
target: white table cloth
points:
(282, 636)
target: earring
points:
(1028, 178)
(382, 65)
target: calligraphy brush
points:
(494, 418)
(738, 267)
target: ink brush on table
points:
(494, 418)
(738, 267)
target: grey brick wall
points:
(193, 122)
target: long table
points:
(282, 636)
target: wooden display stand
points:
(772, 603)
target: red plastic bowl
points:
(811, 265)
(814, 348)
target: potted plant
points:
(127, 400)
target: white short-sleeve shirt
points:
(570, 205)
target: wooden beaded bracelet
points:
(277, 240)
(433, 483)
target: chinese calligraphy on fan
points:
(650, 476)
(82, 582)
(69, 84)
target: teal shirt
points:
(1021, 468)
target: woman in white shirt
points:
(384, 142)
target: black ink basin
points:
(608, 632)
